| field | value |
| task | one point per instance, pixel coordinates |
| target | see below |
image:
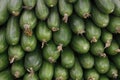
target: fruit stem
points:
(12, 60)
(27, 7)
(86, 15)
(115, 75)
(90, 78)
(54, 29)
(60, 47)
(30, 70)
(65, 18)
(51, 60)
(118, 30)
(81, 32)
(43, 43)
(118, 50)
(16, 74)
(15, 13)
(27, 30)
(102, 55)
(107, 44)
(93, 40)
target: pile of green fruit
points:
(59, 39)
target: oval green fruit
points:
(33, 76)
(29, 4)
(117, 7)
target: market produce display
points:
(59, 39)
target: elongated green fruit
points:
(29, 4)
(4, 62)
(46, 71)
(61, 40)
(31, 76)
(17, 69)
(43, 33)
(50, 52)
(106, 6)
(15, 7)
(53, 20)
(15, 53)
(71, 1)
(76, 71)
(3, 11)
(28, 21)
(103, 77)
(65, 9)
(51, 3)
(67, 58)
(28, 43)
(61, 73)
(41, 10)
(13, 31)
(83, 8)
(93, 32)
(33, 61)
(80, 44)
(77, 24)
(3, 41)
(99, 18)
(117, 7)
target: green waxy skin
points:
(28, 21)
(43, 33)
(3, 11)
(91, 74)
(17, 69)
(61, 73)
(15, 53)
(103, 77)
(67, 58)
(71, 1)
(29, 4)
(33, 61)
(99, 18)
(76, 71)
(117, 7)
(51, 3)
(41, 10)
(65, 9)
(102, 64)
(62, 37)
(83, 8)
(77, 24)
(4, 62)
(15, 7)
(13, 31)
(93, 32)
(3, 41)
(53, 20)
(46, 71)
(28, 43)
(86, 60)
(31, 76)
(50, 52)
(114, 24)
(80, 44)
(105, 6)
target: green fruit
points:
(15, 53)
(4, 62)
(103, 77)
(113, 49)
(86, 61)
(65, 9)
(106, 6)
(71, 1)
(99, 18)
(97, 49)
(102, 64)
(33, 61)
(13, 31)
(29, 4)
(93, 32)
(60, 73)
(67, 58)
(43, 33)
(80, 44)
(63, 36)
(53, 20)
(114, 24)
(91, 74)
(76, 71)
(51, 3)
(6, 75)
(3, 11)
(17, 69)
(117, 7)
(41, 10)
(106, 37)
(30, 76)
(77, 24)
(3, 42)
(15, 7)
(28, 43)
(83, 8)
(28, 21)
(46, 71)
(50, 52)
